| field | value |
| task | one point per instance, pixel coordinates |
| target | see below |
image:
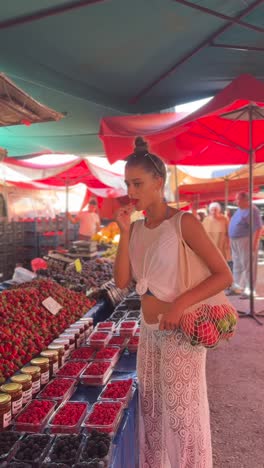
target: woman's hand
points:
(171, 320)
(123, 217)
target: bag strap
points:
(177, 224)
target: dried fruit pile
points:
(26, 327)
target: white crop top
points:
(154, 258)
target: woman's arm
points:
(122, 268)
(220, 278)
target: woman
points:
(174, 428)
(216, 226)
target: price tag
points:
(51, 305)
(78, 265)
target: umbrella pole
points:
(177, 197)
(251, 312)
(226, 193)
(66, 216)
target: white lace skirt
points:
(174, 425)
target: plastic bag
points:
(22, 275)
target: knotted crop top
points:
(154, 258)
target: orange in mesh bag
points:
(211, 320)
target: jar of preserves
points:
(15, 391)
(63, 342)
(26, 381)
(5, 411)
(76, 335)
(80, 327)
(43, 363)
(53, 357)
(61, 353)
(35, 373)
(71, 338)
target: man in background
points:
(89, 221)
(240, 246)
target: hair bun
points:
(141, 146)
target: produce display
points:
(65, 449)
(88, 430)
(32, 448)
(117, 390)
(97, 373)
(97, 446)
(58, 389)
(93, 275)
(34, 416)
(68, 418)
(128, 328)
(86, 352)
(72, 369)
(132, 345)
(7, 442)
(104, 417)
(27, 327)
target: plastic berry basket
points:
(72, 369)
(128, 327)
(118, 390)
(109, 353)
(118, 340)
(9, 441)
(68, 418)
(35, 415)
(105, 417)
(85, 352)
(97, 447)
(132, 345)
(59, 389)
(97, 373)
(25, 453)
(62, 451)
(108, 326)
(99, 339)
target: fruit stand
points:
(86, 404)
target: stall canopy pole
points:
(226, 193)
(66, 215)
(176, 187)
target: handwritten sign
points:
(51, 305)
(78, 265)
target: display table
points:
(125, 452)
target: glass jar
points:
(80, 327)
(71, 338)
(61, 353)
(63, 342)
(26, 381)
(53, 357)
(15, 391)
(86, 325)
(35, 373)
(76, 335)
(43, 363)
(5, 411)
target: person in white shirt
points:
(89, 221)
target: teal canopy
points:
(94, 58)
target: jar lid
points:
(68, 335)
(49, 353)
(39, 361)
(21, 378)
(11, 387)
(71, 330)
(4, 398)
(64, 341)
(58, 347)
(30, 370)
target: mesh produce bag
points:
(208, 324)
